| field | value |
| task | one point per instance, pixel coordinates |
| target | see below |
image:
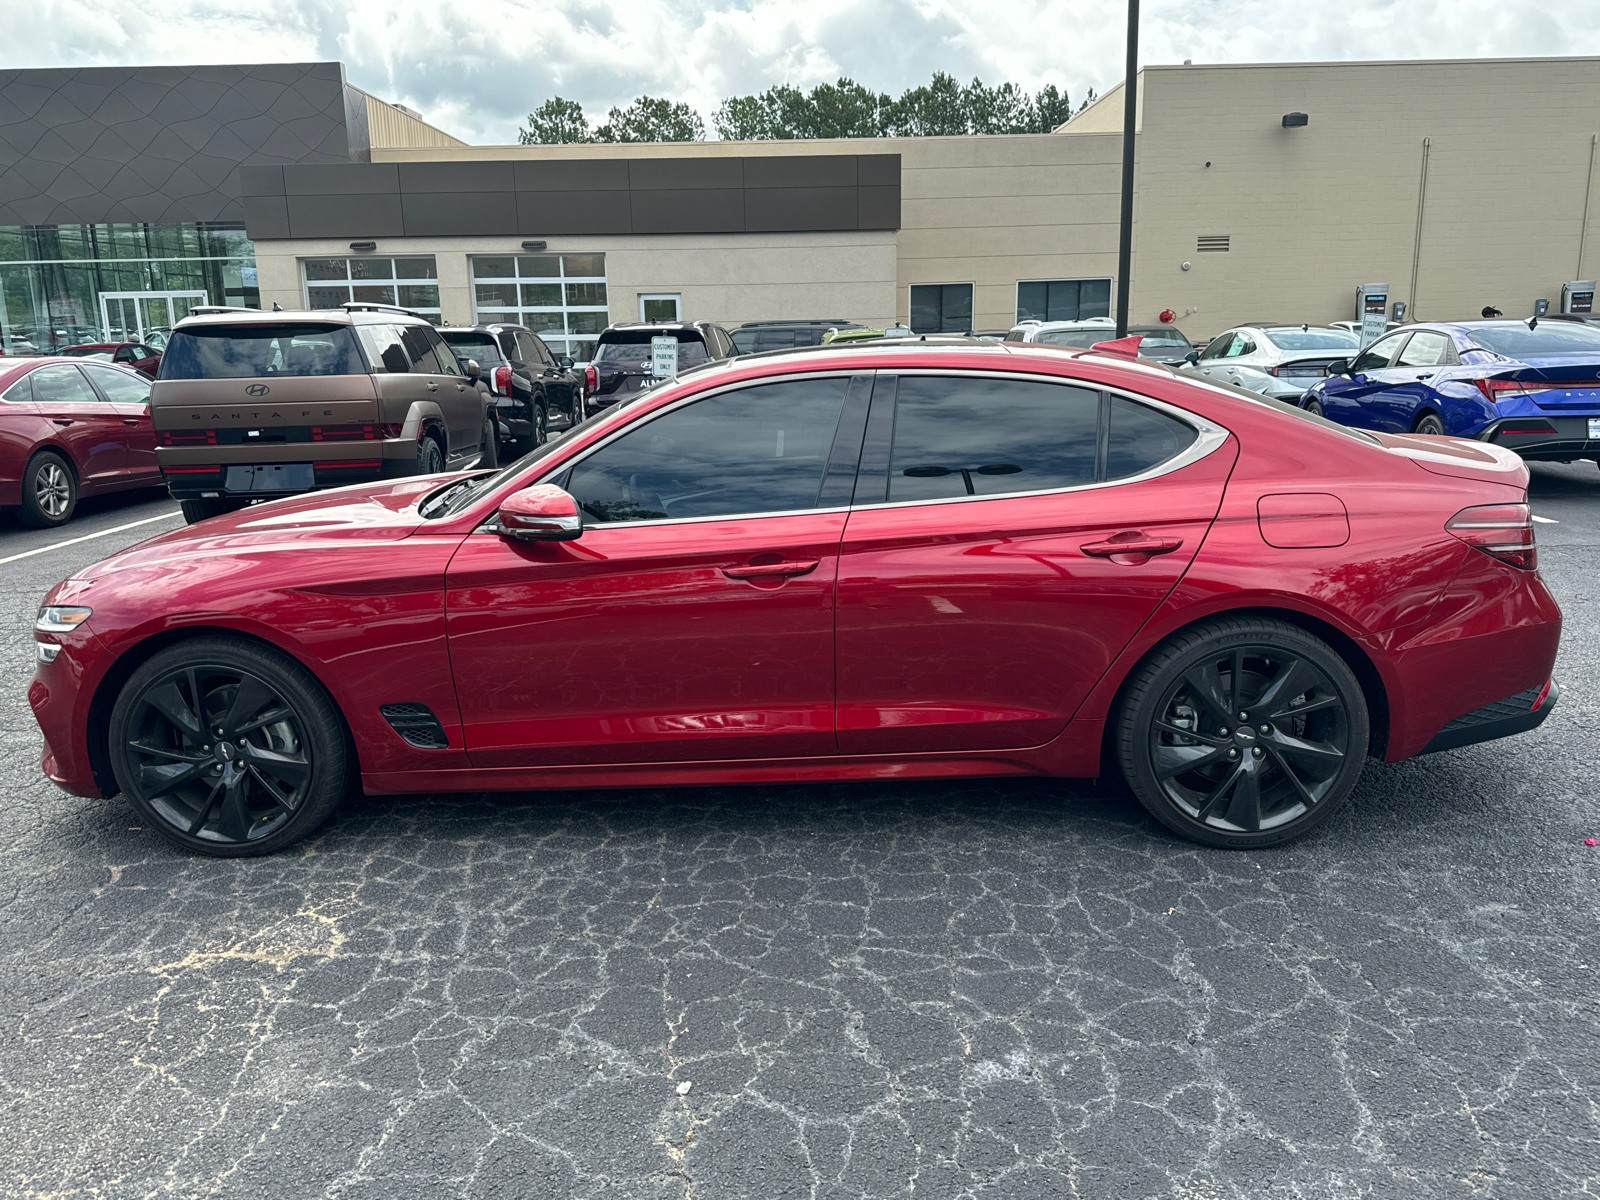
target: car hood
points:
(365, 512)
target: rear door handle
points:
(1131, 545)
(62, 420)
(432, 386)
(130, 420)
(768, 570)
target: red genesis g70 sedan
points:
(913, 558)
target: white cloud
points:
(476, 68)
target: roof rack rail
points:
(207, 309)
(369, 306)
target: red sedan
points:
(70, 430)
(890, 561)
(144, 359)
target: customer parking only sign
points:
(663, 357)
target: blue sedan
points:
(1531, 386)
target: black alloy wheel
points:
(1429, 423)
(228, 748)
(541, 424)
(1243, 732)
(49, 491)
(430, 459)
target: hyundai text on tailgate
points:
(252, 406)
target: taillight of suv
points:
(502, 381)
(1503, 531)
(591, 381)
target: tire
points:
(1314, 407)
(540, 433)
(1429, 423)
(280, 769)
(1275, 776)
(489, 445)
(195, 511)
(430, 459)
(49, 491)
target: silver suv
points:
(253, 405)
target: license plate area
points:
(1594, 427)
(270, 477)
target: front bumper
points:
(1515, 714)
(1544, 438)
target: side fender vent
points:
(416, 724)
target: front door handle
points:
(130, 420)
(62, 421)
(432, 386)
(1134, 543)
(768, 570)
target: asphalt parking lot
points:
(1007, 989)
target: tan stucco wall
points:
(725, 278)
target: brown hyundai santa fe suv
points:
(255, 405)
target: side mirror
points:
(566, 363)
(394, 360)
(542, 513)
(474, 371)
(1192, 358)
(1339, 366)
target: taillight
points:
(344, 433)
(1512, 389)
(188, 437)
(591, 381)
(1503, 531)
(502, 381)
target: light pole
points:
(1130, 112)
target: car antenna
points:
(276, 307)
(1533, 323)
(1306, 328)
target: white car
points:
(1280, 361)
(1164, 343)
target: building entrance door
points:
(126, 316)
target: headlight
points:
(62, 619)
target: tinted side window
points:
(384, 349)
(121, 387)
(419, 350)
(1141, 438)
(1219, 346)
(986, 437)
(760, 449)
(1425, 350)
(62, 385)
(1379, 355)
(534, 351)
(20, 392)
(443, 355)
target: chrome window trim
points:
(1210, 439)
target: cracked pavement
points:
(979, 988)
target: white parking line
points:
(88, 537)
(1545, 520)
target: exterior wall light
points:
(533, 245)
(1295, 120)
(363, 245)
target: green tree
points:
(1087, 100)
(1051, 108)
(556, 122)
(1003, 109)
(649, 119)
(938, 109)
(829, 110)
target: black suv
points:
(755, 336)
(621, 365)
(534, 389)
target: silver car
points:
(1277, 360)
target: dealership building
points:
(1263, 192)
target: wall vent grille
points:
(1212, 243)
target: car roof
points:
(839, 321)
(1085, 323)
(353, 315)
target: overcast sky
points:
(476, 68)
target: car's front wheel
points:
(1243, 732)
(1314, 407)
(49, 491)
(228, 748)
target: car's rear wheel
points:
(539, 429)
(228, 748)
(1243, 732)
(1314, 407)
(430, 459)
(49, 491)
(1429, 423)
(489, 447)
(195, 511)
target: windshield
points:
(478, 346)
(1313, 339)
(254, 351)
(1081, 338)
(1160, 339)
(632, 353)
(1550, 338)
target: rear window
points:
(1313, 339)
(1081, 338)
(1161, 339)
(1550, 338)
(479, 346)
(632, 347)
(258, 351)
(87, 352)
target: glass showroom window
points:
(561, 297)
(941, 307)
(409, 282)
(1063, 299)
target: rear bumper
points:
(1515, 714)
(194, 472)
(1543, 438)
